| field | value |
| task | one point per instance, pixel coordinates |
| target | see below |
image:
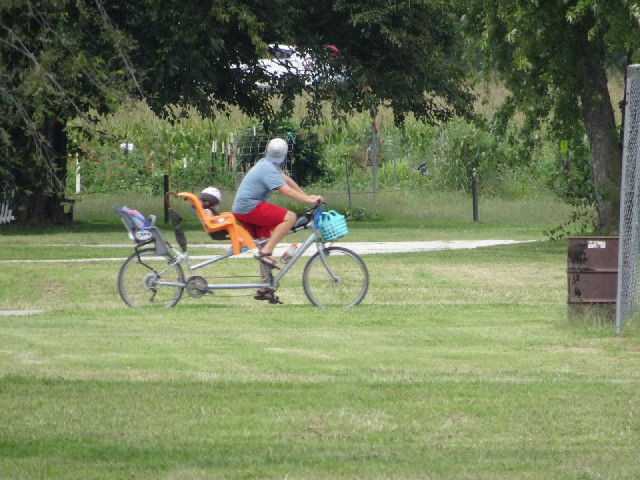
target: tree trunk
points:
(46, 203)
(599, 121)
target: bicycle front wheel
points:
(149, 280)
(342, 282)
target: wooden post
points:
(166, 190)
(346, 165)
(474, 189)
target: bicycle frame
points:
(332, 276)
(272, 284)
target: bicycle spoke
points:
(143, 280)
(343, 282)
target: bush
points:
(468, 149)
(105, 168)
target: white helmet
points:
(211, 195)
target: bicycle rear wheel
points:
(343, 282)
(148, 280)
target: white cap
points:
(211, 194)
(277, 150)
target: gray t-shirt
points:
(257, 186)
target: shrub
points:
(105, 168)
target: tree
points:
(56, 61)
(401, 53)
(404, 54)
(60, 57)
(553, 57)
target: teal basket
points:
(332, 225)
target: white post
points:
(374, 157)
(78, 179)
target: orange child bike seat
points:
(240, 238)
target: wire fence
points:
(628, 294)
(252, 147)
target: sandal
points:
(267, 259)
(263, 294)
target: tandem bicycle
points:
(157, 274)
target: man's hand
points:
(316, 199)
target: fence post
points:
(374, 160)
(214, 155)
(166, 190)
(346, 166)
(394, 166)
(78, 179)
(474, 189)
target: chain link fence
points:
(252, 147)
(628, 294)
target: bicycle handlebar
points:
(314, 212)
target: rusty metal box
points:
(592, 269)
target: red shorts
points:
(260, 221)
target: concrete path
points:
(361, 248)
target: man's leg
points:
(279, 232)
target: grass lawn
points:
(458, 365)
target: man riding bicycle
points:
(264, 220)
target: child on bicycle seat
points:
(210, 197)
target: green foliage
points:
(582, 221)
(574, 182)
(57, 60)
(181, 136)
(322, 154)
(105, 168)
(553, 57)
(362, 214)
(308, 165)
(469, 150)
(305, 160)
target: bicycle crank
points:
(197, 287)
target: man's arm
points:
(298, 194)
(291, 183)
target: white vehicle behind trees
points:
(288, 60)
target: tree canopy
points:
(58, 58)
(401, 53)
(553, 57)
